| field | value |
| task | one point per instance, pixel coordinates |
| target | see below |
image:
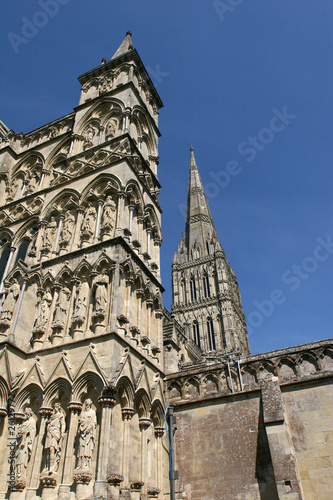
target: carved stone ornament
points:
(55, 430)
(42, 316)
(48, 479)
(82, 476)
(115, 479)
(26, 433)
(9, 304)
(17, 484)
(137, 485)
(153, 492)
(86, 434)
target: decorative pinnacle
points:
(129, 33)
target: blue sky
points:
(249, 84)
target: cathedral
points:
(104, 393)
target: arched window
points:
(211, 335)
(193, 289)
(24, 245)
(4, 256)
(207, 246)
(206, 286)
(196, 333)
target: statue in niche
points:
(13, 189)
(55, 430)
(61, 308)
(88, 223)
(43, 312)
(111, 128)
(32, 183)
(108, 216)
(10, 301)
(67, 229)
(26, 433)
(101, 293)
(89, 134)
(49, 233)
(86, 435)
(81, 303)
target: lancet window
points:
(196, 333)
(211, 335)
(193, 289)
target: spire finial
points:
(191, 147)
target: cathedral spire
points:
(125, 46)
(199, 229)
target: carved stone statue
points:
(101, 293)
(61, 308)
(86, 434)
(111, 128)
(32, 183)
(10, 301)
(88, 223)
(108, 216)
(89, 134)
(43, 312)
(54, 434)
(67, 229)
(81, 303)
(26, 433)
(49, 234)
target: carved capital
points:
(137, 485)
(17, 484)
(127, 413)
(74, 407)
(82, 476)
(115, 479)
(159, 432)
(144, 423)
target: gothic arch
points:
(157, 413)
(66, 199)
(104, 184)
(82, 383)
(60, 148)
(26, 394)
(142, 403)
(29, 160)
(4, 392)
(125, 391)
(103, 109)
(53, 390)
(153, 222)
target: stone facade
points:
(90, 359)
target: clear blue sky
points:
(251, 87)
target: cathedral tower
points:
(206, 298)
(81, 297)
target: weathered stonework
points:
(90, 358)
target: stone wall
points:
(271, 440)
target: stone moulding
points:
(115, 479)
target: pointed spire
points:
(199, 227)
(125, 46)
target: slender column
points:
(127, 414)
(107, 401)
(24, 185)
(41, 179)
(18, 307)
(131, 212)
(114, 292)
(74, 408)
(148, 240)
(120, 213)
(36, 460)
(100, 203)
(139, 295)
(10, 256)
(159, 432)
(55, 248)
(144, 424)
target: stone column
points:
(74, 408)
(107, 402)
(100, 204)
(144, 424)
(36, 459)
(55, 247)
(159, 432)
(127, 414)
(131, 213)
(114, 292)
